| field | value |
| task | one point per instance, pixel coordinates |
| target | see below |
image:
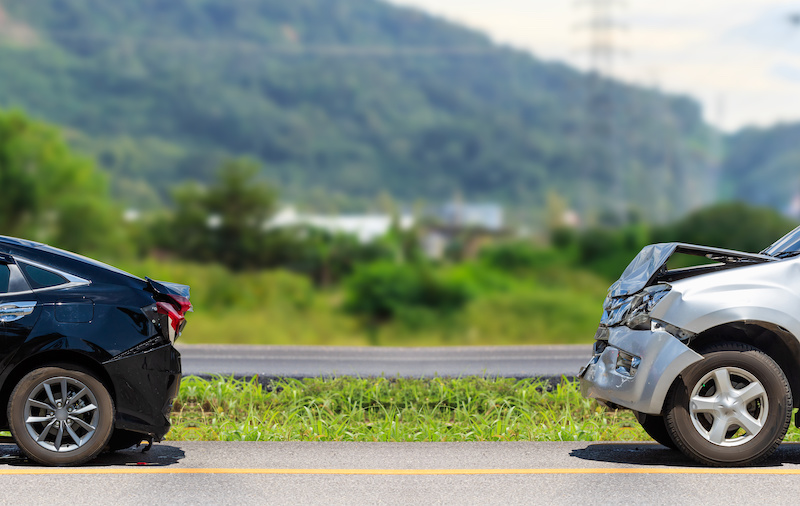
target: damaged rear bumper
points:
(145, 385)
(636, 368)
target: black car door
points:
(19, 307)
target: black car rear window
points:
(5, 274)
(41, 278)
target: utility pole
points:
(794, 205)
(602, 172)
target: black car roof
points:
(38, 250)
(20, 242)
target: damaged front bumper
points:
(635, 368)
(145, 385)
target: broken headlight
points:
(641, 304)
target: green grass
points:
(351, 409)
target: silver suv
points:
(706, 356)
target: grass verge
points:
(381, 409)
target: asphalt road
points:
(308, 361)
(399, 473)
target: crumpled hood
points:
(642, 269)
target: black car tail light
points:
(172, 304)
(182, 304)
(174, 307)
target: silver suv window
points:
(788, 245)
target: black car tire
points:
(656, 428)
(713, 400)
(87, 414)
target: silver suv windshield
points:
(786, 246)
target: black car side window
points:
(5, 275)
(41, 278)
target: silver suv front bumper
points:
(636, 369)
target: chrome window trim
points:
(9, 294)
(59, 287)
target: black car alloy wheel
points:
(61, 416)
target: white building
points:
(488, 216)
(366, 227)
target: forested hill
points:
(347, 96)
(762, 166)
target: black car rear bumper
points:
(145, 384)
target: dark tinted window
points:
(4, 275)
(40, 278)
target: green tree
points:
(49, 193)
(225, 222)
(325, 257)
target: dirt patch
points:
(16, 32)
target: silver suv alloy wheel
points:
(728, 406)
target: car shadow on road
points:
(654, 454)
(158, 455)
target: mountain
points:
(339, 97)
(762, 166)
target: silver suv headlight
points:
(633, 310)
(638, 317)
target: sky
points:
(739, 58)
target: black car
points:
(87, 361)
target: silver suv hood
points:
(652, 260)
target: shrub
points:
(384, 291)
(518, 256)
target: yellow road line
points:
(384, 472)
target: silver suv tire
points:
(732, 408)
